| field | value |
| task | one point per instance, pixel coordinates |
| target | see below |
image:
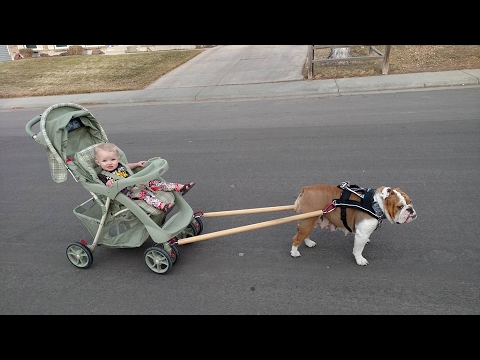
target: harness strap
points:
(358, 205)
(367, 203)
(129, 188)
(112, 175)
(116, 177)
(343, 209)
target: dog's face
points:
(397, 206)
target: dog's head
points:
(396, 205)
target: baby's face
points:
(108, 160)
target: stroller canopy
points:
(66, 129)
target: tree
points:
(339, 53)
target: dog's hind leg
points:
(304, 228)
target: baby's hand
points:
(141, 163)
(110, 182)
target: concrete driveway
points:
(238, 64)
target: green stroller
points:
(69, 133)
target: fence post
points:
(310, 62)
(385, 55)
(386, 60)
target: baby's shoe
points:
(167, 207)
(185, 188)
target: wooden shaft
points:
(248, 211)
(249, 227)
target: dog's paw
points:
(310, 243)
(294, 252)
(361, 260)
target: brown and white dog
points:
(394, 203)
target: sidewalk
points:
(250, 72)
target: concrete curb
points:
(257, 91)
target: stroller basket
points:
(120, 232)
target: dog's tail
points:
(296, 204)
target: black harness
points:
(366, 204)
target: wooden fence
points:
(377, 54)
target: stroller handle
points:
(28, 127)
(154, 168)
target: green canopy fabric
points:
(63, 141)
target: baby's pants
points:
(137, 193)
(156, 185)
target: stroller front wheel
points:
(158, 260)
(176, 253)
(172, 249)
(79, 255)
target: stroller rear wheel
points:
(79, 255)
(158, 260)
(189, 231)
(198, 224)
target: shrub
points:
(75, 50)
(26, 53)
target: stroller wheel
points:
(198, 224)
(79, 255)
(189, 231)
(175, 252)
(158, 260)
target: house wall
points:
(5, 53)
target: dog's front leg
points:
(362, 236)
(358, 246)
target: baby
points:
(107, 157)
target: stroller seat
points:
(139, 216)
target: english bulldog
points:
(363, 211)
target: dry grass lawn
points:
(404, 59)
(78, 74)
(82, 74)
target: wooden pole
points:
(386, 60)
(249, 227)
(310, 58)
(248, 211)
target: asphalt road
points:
(249, 154)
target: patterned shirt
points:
(120, 171)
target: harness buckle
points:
(344, 185)
(330, 207)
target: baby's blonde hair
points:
(109, 147)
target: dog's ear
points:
(407, 198)
(386, 192)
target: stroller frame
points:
(69, 133)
